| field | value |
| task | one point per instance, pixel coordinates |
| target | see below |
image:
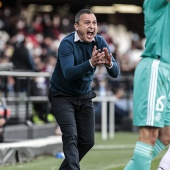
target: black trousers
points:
(75, 116)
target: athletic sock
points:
(165, 161)
(142, 157)
(158, 147)
(130, 165)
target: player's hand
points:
(108, 57)
(98, 57)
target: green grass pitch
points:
(111, 154)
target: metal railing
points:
(18, 96)
(28, 99)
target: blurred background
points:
(30, 33)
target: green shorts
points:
(151, 93)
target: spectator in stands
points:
(21, 58)
(2, 123)
(39, 88)
(123, 106)
(4, 116)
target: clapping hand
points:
(98, 57)
(108, 57)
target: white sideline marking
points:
(113, 147)
(113, 166)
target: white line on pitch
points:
(113, 147)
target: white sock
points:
(165, 161)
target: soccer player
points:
(152, 87)
(70, 91)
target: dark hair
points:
(82, 11)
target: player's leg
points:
(147, 96)
(164, 135)
(165, 138)
(142, 155)
(158, 147)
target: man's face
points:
(86, 27)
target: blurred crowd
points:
(37, 38)
(30, 42)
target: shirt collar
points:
(77, 38)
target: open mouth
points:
(90, 34)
